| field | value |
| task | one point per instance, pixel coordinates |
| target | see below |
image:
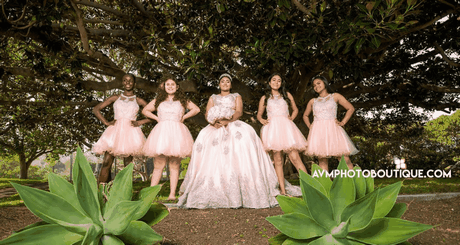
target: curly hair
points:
(282, 90)
(179, 95)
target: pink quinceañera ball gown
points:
(170, 137)
(326, 138)
(281, 134)
(122, 139)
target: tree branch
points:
(444, 56)
(102, 7)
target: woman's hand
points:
(264, 121)
(341, 124)
(135, 123)
(111, 123)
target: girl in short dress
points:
(327, 138)
(279, 134)
(170, 140)
(123, 137)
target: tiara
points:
(225, 75)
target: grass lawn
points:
(410, 186)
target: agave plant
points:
(343, 211)
(83, 214)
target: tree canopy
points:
(63, 55)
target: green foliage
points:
(11, 169)
(343, 211)
(83, 214)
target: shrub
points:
(83, 214)
(343, 211)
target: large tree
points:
(379, 54)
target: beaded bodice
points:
(227, 101)
(277, 106)
(325, 108)
(125, 107)
(170, 111)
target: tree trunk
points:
(24, 167)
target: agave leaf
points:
(122, 188)
(75, 228)
(111, 240)
(156, 213)
(120, 216)
(140, 233)
(64, 189)
(101, 198)
(325, 181)
(297, 225)
(360, 183)
(292, 241)
(397, 211)
(292, 205)
(42, 202)
(278, 239)
(39, 223)
(341, 230)
(304, 177)
(46, 234)
(388, 231)
(146, 197)
(386, 200)
(369, 185)
(361, 211)
(317, 201)
(92, 236)
(342, 191)
(86, 188)
(329, 240)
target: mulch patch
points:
(248, 226)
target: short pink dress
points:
(326, 138)
(281, 134)
(170, 137)
(122, 139)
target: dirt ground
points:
(248, 226)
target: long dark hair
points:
(162, 95)
(326, 84)
(282, 89)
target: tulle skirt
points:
(121, 140)
(169, 138)
(281, 134)
(229, 168)
(327, 139)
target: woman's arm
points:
(347, 105)
(193, 110)
(261, 110)
(307, 113)
(138, 123)
(97, 109)
(295, 110)
(238, 109)
(148, 109)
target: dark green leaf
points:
(297, 225)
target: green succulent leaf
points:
(120, 216)
(111, 240)
(388, 231)
(140, 233)
(122, 188)
(86, 188)
(292, 241)
(307, 179)
(317, 201)
(42, 202)
(75, 228)
(360, 183)
(341, 230)
(278, 239)
(386, 200)
(146, 197)
(369, 185)
(342, 191)
(61, 187)
(297, 225)
(292, 205)
(325, 181)
(397, 211)
(361, 211)
(46, 234)
(92, 235)
(156, 213)
(39, 223)
(329, 240)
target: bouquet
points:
(219, 112)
